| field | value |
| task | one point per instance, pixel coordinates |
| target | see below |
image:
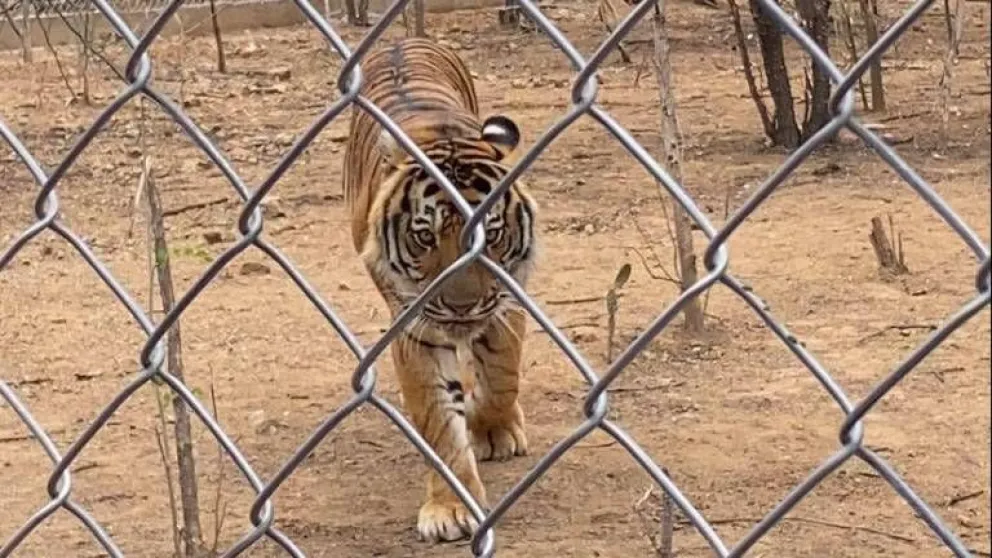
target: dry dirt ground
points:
(735, 418)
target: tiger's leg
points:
(434, 401)
(495, 417)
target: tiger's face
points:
(415, 230)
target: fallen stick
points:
(958, 499)
(821, 522)
(193, 206)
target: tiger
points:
(459, 362)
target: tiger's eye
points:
(493, 235)
(424, 237)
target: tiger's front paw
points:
(445, 521)
(499, 441)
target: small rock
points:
(254, 268)
(249, 50)
(829, 168)
(87, 374)
(256, 418)
(270, 426)
(281, 73)
(585, 336)
(967, 522)
(893, 139)
(266, 89)
(272, 207)
(213, 237)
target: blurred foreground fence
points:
(583, 102)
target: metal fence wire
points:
(583, 102)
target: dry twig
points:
(897, 327)
(813, 521)
(964, 497)
(220, 507)
(570, 301)
(193, 206)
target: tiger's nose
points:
(460, 307)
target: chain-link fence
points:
(583, 102)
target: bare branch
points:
(55, 55)
(87, 44)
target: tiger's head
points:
(415, 228)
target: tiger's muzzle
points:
(462, 317)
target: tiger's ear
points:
(502, 133)
(390, 149)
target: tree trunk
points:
(752, 87)
(419, 27)
(671, 151)
(947, 74)
(852, 48)
(869, 13)
(349, 7)
(84, 57)
(26, 51)
(816, 20)
(221, 59)
(772, 53)
(363, 13)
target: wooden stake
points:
(888, 251)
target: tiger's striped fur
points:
(407, 230)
